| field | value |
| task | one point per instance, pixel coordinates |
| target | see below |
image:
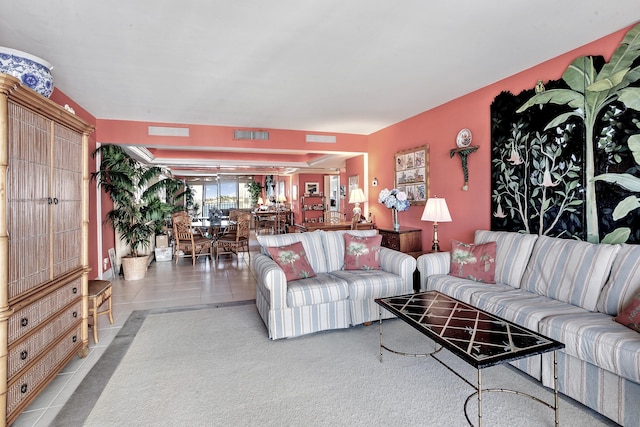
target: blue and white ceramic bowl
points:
(31, 70)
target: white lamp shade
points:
(357, 196)
(436, 210)
(260, 201)
(282, 198)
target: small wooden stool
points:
(99, 293)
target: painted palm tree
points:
(462, 257)
(289, 257)
(357, 249)
(590, 93)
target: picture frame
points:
(353, 182)
(411, 173)
(112, 260)
(311, 188)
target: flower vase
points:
(394, 216)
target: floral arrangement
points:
(394, 199)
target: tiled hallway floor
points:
(165, 285)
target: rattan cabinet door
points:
(28, 203)
(66, 210)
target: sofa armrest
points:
(272, 281)
(399, 263)
(433, 263)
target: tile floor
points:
(165, 285)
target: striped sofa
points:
(334, 298)
(570, 291)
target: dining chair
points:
(332, 217)
(186, 243)
(238, 240)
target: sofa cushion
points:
(461, 289)
(369, 284)
(521, 307)
(320, 289)
(474, 262)
(597, 339)
(513, 251)
(630, 314)
(292, 260)
(333, 242)
(362, 252)
(624, 281)
(569, 270)
(312, 243)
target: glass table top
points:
(480, 338)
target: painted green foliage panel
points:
(545, 178)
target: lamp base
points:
(436, 243)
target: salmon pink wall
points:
(95, 264)
(470, 210)
(136, 133)
(437, 127)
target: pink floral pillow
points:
(475, 262)
(630, 314)
(362, 252)
(292, 260)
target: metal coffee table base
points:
(479, 391)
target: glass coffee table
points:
(479, 338)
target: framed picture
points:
(112, 260)
(412, 173)
(353, 182)
(311, 187)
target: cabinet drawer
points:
(31, 381)
(391, 241)
(33, 315)
(22, 353)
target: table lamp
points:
(436, 210)
(357, 196)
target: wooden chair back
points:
(333, 217)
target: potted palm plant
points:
(255, 189)
(137, 192)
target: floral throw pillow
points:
(630, 314)
(292, 260)
(362, 252)
(475, 262)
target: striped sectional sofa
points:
(570, 291)
(334, 298)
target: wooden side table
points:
(99, 293)
(404, 240)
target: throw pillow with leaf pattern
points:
(292, 260)
(474, 262)
(362, 252)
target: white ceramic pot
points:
(32, 71)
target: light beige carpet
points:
(212, 367)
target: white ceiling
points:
(351, 66)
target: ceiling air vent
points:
(254, 135)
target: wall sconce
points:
(436, 210)
(356, 196)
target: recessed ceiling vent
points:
(327, 139)
(168, 131)
(253, 135)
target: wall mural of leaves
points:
(545, 178)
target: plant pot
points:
(134, 268)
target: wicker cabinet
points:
(43, 243)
